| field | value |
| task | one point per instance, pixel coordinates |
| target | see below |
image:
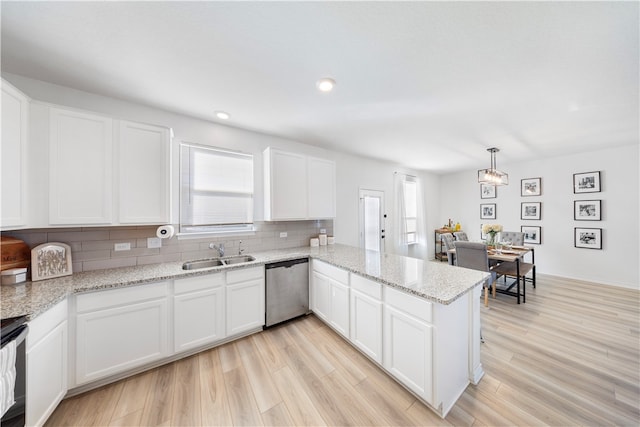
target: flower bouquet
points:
(491, 230)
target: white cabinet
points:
(285, 181)
(143, 164)
(320, 295)
(408, 344)
(80, 168)
(297, 187)
(366, 316)
(120, 329)
(15, 116)
(245, 300)
(321, 175)
(96, 177)
(199, 311)
(46, 364)
(331, 295)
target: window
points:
(216, 190)
(410, 197)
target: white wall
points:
(355, 173)
(619, 260)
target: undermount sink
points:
(217, 262)
(238, 259)
(202, 263)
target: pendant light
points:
(493, 176)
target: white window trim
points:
(247, 230)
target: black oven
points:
(15, 329)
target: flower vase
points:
(491, 239)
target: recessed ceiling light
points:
(222, 115)
(326, 84)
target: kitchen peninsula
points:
(418, 320)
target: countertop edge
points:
(58, 289)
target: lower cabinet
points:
(408, 350)
(330, 295)
(245, 300)
(198, 310)
(408, 342)
(46, 364)
(366, 316)
(120, 329)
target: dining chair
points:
(515, 237)
(474, 255)
(448, 240)
(461, 236)
(509, 268)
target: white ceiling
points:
(429, 85)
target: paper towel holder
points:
(165, 231)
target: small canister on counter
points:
(323, 239)
(314, 242)
(331, 240)
(14, 276)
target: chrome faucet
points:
(219, 248)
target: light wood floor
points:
(569, 356)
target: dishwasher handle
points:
(286, 264)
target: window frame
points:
(408, 218)
(187, 231)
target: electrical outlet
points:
(323, 231)
(122, 247)
(283, 234)
(154, 242)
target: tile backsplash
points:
(92, 248)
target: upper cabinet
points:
(101, 176)
(15, 117)
(80, 168)
(321, 184)
(143, 173)
(298, 187)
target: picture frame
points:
(483, 236)
(488, 191)
(532, 234)
(50, 260)
(530, 187)
(587, 210)
(488, 211)
(586, 182)
(530, 210)
(588, 238)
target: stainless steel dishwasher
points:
(287, 290)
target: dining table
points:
(514, 255)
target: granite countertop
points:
(434, 281)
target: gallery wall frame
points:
(531, 210)
(587, 210)
(532, 234)
(586, 182)
(530, 187)
(588, 238)
(488, 211)
(488, 191)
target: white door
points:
(372, 220)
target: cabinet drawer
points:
(366, 286)
(198, 283)
(331, 271)
(410, 304)
(45, 323)
(103, 299)
(244, 274)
